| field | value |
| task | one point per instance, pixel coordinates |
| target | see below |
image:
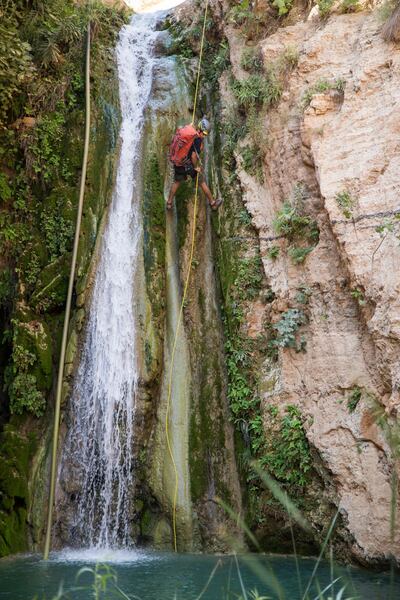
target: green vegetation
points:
(251, 60)
(286, 452)
(346, 203)
(298, 255)
(354, 398)
(253, 161)
(303, 295)
(319, 87)
(218, 62)
(285, 330)
(289, 58)
(283, 6)
(350, 6)
(273, 252)
(257, 91)
(41, 142)
(390, 225)
(298, 228)
(325, 8)
(251, 23)
(358, 295)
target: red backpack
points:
(181, 143)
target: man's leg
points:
(206, 191)
(173, 190)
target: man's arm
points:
(195, 158)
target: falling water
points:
(100, 438)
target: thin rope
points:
(68, 306)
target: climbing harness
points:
(185, 289)
(68, 304)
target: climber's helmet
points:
(204, 126)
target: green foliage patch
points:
(286, 453)
(251, 60)
(253, 161)
(325, 7)
(354, 398)
(285, 330)
(299, 229)
(257, 91)
(346, 203)
(319, 87)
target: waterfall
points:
(98, 445)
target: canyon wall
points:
(307, 142)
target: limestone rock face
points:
(343, 144)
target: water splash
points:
(98, 446)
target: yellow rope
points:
(185, 289)
(172, 363)
(68, 307)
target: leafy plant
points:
(253, 161)
(24, 395)
(350, 6)
(58, 230)
(345, 202)
(5, 190)
(218, 61)
(287, 454)
(354, 398)
(319, 87)
(250, 23)
(283, 6)
(286, 329)
(257, 91)
(291, 224)
(273, 252)
(251, 60)
(303, 294)
(358, 295)
(298, 255)
(389, 225)
(290, 57)
(325, 7)
(15, 56)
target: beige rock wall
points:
(339, 143)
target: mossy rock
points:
(52, 284)
(13, 531)
(34, 337)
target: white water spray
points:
(99, 442)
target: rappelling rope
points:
(68, 304)
(185, 289)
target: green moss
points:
(154, 231)
(39, 195)
(183, 196)
(16, 452)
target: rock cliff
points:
(307, 111)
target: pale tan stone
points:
(341, 142)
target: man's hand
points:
(198, 169)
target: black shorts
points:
(181, 173)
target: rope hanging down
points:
(185, 289)
(68, 305)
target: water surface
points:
(166, 576)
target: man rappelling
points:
(184, 154)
